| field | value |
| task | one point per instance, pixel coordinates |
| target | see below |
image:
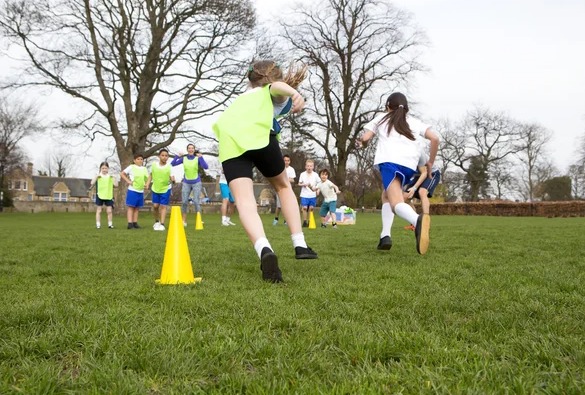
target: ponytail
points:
(397, 107)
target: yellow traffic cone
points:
(198, 222)
(176, 268)
(312, 224)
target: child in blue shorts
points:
(307, 180)
(135, 176)
(329, 191)
(161, 179)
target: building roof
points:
(78, 187)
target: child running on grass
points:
(161, 179)
(247, 132)
(329, 191)
(104, 196)
(397, 156)
(135, 176)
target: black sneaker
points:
(305, 224)
(421, 231)
(269, 266)
(305, 253)
(135, 225)
(385, 243)
(334, 226)
(323, 225)
(110, 226)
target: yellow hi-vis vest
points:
(105, 187)
(161, 178)
(245, 125)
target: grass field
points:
(496, 306)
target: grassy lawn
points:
(496, 306)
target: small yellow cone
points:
(312, 224)
(176, 268)
(198, 222)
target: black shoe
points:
(323, 225)
(385, 243)
(269, 266)
(130, 226)
(421, 231)
(305, 253)
(305, 224)
(135, 225)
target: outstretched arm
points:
(280, 91)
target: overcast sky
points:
(523, 57)
(526, 58)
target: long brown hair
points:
(264, 72)
(397, 107)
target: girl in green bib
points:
(104, 195)
(247, 132)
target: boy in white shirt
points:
(307, 180)
(329, 191)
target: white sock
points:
(98, 224)
(110, 223)
(260, 244)
(387, 220)
(406, 212)
(223, 218)
(298, 240)
(228, 219)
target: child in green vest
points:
(135, 176)
(161, 178)
(247, 133)
(104, 196)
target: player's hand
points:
(298, 103)
(359, 144)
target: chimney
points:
(29, 168)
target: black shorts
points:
(268, 161)
(100, 202)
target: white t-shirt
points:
(328, 191)
(394, 147)
(129, 171)
(311, 179)
(290, 172)
(222, 179)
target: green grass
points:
(496, 306)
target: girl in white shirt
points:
(397, 155)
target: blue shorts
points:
(100, 202)
(134, 199)
(390, 171)
(308, 202)
(430, 183)
(161, 198)
(327, 207)
(226, 193)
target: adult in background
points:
(191, 180)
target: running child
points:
(135, 176)
(104, 196)
(162, 180)
(397, 156)
(291, 174)
(329, 191)
(227, 201)
(248, 137)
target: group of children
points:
(248, 133)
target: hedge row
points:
(512, 209)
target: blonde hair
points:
(309, 161)
(265, 72)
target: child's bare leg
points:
(243, 191)
(110, 214)
(130, 214)
(98, 214)
(288, 202)
(424, 200)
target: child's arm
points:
(93, 180)
(363, 140)
(420, 180)
(148, 181)
(124, 177)
(280, 91)
(336, 188)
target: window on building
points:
(9, 184)
(63, 196)
(17, 184)
(30, 197)
(56, 196)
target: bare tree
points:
(17, 121)
(577, 170)
(481, 140)
(144, 69)
(56, 164)
(356, 51)
(532, 143)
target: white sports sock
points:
(223, 218)
(260, 244)
(98, 224)
(406, 212)
(387, 220)
(110, 223)
(298, 240)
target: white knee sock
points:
(260, 244)
(406, 212)
(387, 220)
(298, 240)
